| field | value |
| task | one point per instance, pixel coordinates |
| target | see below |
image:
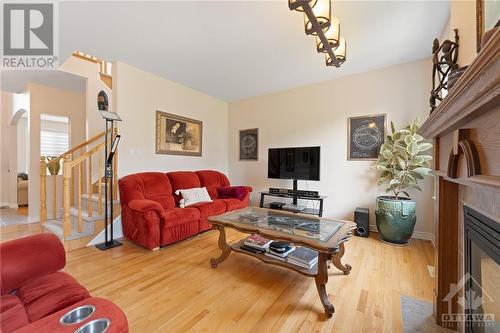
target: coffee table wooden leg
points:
(226, 250)
(337, 263)
(321, 279)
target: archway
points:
(18, 160)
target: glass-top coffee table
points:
(323, 235)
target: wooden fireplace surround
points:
(465, 128)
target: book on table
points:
(301, 264)
(257, 242)
(304, 255)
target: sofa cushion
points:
(213, 208)
(212, 180)
(12, 314)
(154, 186)
(181, 180)
(233, 204)
(50, 293)
(177, 216)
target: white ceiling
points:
(238, 49)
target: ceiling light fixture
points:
(319, 22)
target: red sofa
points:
(35, 294)
(151, 215)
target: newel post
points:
(43, 190)
(66, 195)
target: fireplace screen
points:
(481, 300)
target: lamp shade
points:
(297, 4)
(321, 12)
(340, 51)
(332, 35)
(340, 54)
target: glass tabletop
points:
(310, 227)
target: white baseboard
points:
(416, 234)
(8, 204)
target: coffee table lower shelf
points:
(268, 260)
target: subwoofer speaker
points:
(362, 219)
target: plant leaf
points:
(421, 170)
(412, 149)
(424, 147)
(417, 137)
(393, 128)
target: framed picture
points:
(249, 144)
(365, 136)
(176, 135)
(487, 17)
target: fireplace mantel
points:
(465, 128)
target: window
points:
(54, 135)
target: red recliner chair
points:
(35, 293)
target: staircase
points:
(77, 202)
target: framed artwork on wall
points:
(365, 136)
(177, 135)
(249, 144)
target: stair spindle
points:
(54, 201)
(67, 179)
(43, 191)
(80, 183)
(89, 187)
(99, 184)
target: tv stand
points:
(295, 197)
(310, 211)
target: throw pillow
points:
(232, 192)
(193, 196)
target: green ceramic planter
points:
(395, 219)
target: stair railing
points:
(79, 158)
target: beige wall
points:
(6, 105)
(49, 100)
(137, 96)
(317, 115)
(94, 85)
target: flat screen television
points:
(301, 163)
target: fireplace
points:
(481, 282)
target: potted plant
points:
(402, 165)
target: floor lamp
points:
(110, 118)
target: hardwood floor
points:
(175, 290)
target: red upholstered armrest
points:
(145, 205)
(29, 257)
(248, 188)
